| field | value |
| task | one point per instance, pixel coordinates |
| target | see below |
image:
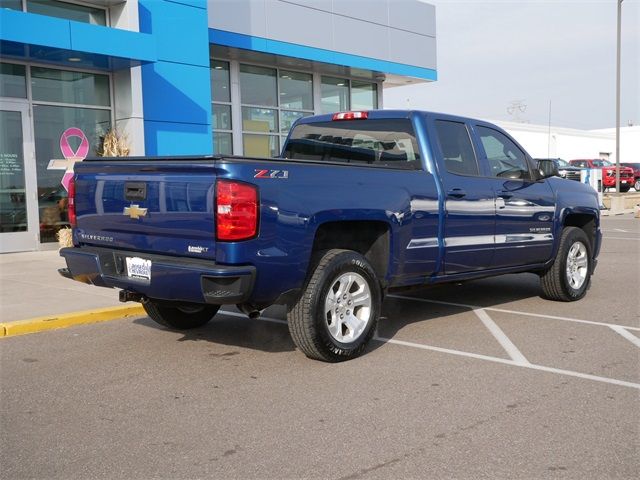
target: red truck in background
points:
(608, 172)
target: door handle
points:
(504, 194)
(456, 193)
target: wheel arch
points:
(370, 238)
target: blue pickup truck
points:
(358, 204)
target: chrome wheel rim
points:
(577, 265)
(347, 308)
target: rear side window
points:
(504, 157)
(389, 142)
(457, 151)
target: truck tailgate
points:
(162, 207)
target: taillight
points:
(71, 203)
(350, 116)
(236, 211)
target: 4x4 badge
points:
(134, 211)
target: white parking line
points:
(626, 334)
(515, 312)
(515, 354)
(532, 366)
(621, 238)
(477, 356)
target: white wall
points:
(569, 143)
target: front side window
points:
(457, 151)
(68, 11)
(504, 157)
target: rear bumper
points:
(172, 278)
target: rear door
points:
(469, 198)
(524, 206)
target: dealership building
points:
(182, 77)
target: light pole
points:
(618, 98)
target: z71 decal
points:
(271, 174)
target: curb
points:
(40, 324)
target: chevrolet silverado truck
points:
(359, 204)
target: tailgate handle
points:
(135, 191)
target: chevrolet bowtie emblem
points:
(134, 211)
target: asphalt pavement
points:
(480, 380)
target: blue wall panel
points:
(169, 138)
(177, 89)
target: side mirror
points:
(547, 168)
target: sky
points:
(493, 53)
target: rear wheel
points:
(636, 185)
(625, 188)
(180, 316)
(569, 277)
(337, 313)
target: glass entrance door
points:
(18, 205)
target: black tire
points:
(180, 317)
(636, 185)
(555, 282)
(310, 325)
(625, 188)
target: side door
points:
(469, 199)
(525, 206)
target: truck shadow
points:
(397, 313)
(239, 331)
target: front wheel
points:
(625, 188)
(569, 277)
(337, 313)
(180, 316)
(637, 185)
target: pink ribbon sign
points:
(70, 157)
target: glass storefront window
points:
(296, 90)
(259, 120)
(260, 145)
(13, 205)
(63, 86)
(11, 4)
(258, 86)
(13, 81)
(287, 118)
(49, 124)
(222, 143)
(221, 117)
(69, 11)
(335, 94)
(364, 95)
(220, 88)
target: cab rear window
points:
(387, 142)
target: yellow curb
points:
(40, 324)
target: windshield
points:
(563, 163)
(601, 163)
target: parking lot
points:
(480, 380)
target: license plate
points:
(139, 268)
